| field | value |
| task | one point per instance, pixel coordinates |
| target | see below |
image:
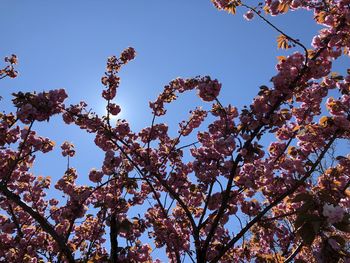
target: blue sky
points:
(64, 44)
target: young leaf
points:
(342, 226)
(282, 42)
(320, 17)
(283, 7)
(302, 196)
(231, 8)
(307, 233)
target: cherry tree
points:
(225, 197)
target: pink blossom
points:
(249, 15)
(333, 213)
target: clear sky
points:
(64, 44)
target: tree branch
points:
(276, 202)
(113, 235)
(294, 254)
(46, 226)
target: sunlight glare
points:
(121, 115)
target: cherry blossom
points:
(213, 192)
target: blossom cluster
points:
(40, 106)
(67, 149)
(207, 88)
(9, 70)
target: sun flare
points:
(121, 115)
